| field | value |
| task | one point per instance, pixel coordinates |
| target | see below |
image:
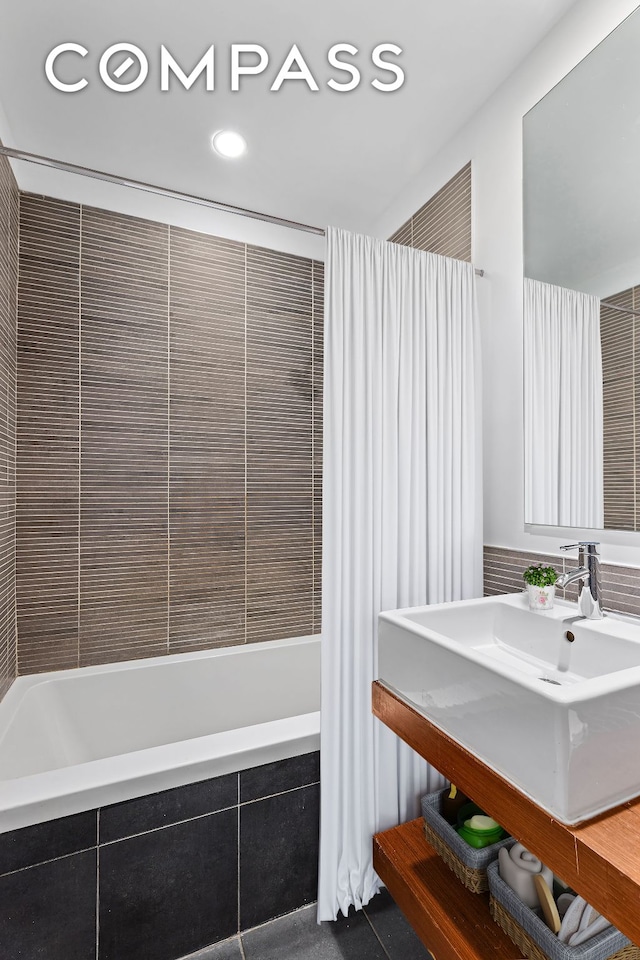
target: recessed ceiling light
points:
(228, 143)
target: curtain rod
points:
(153, 188)
(613, 306)
(162, 191)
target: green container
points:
(480, 838)
(476, 838)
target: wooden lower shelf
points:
(600, 859)
(452, 922)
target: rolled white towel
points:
(524, 859)
(518, 867)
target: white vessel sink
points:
(558, 718)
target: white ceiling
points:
(318, 158)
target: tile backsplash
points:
(169, 439)
(503, 574)
(9, 237)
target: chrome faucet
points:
(587, 573)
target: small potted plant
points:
(541, 586)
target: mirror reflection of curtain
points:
(563, 407)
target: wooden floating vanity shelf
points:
(600, 858)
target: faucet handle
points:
(571, 546)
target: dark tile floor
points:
(379, 932)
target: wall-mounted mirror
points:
(582, 292)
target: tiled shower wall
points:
(443, 224)
(169, 439)
(9, 235)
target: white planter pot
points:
(541, 598)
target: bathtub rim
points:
(25, 681)
(49, 795)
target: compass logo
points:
(124, 67)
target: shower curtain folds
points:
(402, 508)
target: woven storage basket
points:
(531, 934)
(468, 864)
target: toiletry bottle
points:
(451, 803)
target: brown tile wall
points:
(443, 224)
(503, 574)
(124, 439)
(207, 418)
(169, 394)
(9, 238)
(318, 371)
(279, 444)
(48, 433)
(621, 408)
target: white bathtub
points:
(78, 739)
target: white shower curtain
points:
(401, 518)
(564, 479)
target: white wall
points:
(5, 132)
(493, 141)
